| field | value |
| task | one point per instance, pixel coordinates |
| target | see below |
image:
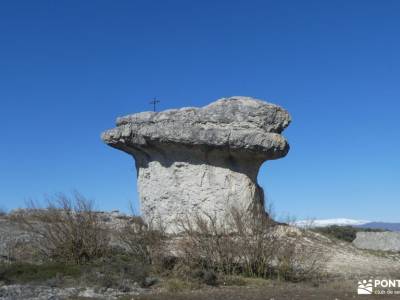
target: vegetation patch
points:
(72, 246)
(177, 285)
(344, 233)
(28, 273)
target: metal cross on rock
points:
(154, 103)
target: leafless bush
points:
(67, 230)
(245, 244)
(240, 243)
(146, 242)
(296, 259)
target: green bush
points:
(116, 271)
(24, 272)
(344, 233)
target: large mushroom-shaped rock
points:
(201, 160)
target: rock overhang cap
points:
(236, 124)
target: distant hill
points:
(349, 222)
(381, 225)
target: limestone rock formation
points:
(382, 241)
(204, 159)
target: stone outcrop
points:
(204, 159)
(383, 241)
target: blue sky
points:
(69, 68)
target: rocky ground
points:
(347, 261)
(343, 266)
(41, 292)
(259, 290)
(337, 290)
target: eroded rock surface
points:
(203, 160)
(381, 241)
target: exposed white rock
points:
(382, 241)
(201, 160)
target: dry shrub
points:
(9, 245)
(239, 244)
(245, 244)
(295, 260)
(67, 230)
(146, 242)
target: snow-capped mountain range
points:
(348, 222)
(329, 222)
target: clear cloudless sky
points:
(69, 68)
